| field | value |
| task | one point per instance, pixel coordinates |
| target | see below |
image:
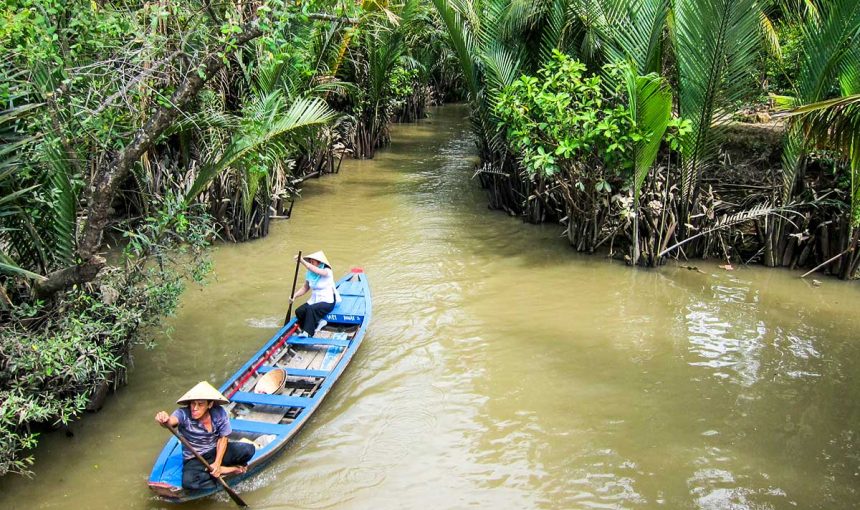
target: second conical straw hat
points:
(318, 255)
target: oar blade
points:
(235, 497)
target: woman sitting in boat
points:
(205, 424)
(319, 280)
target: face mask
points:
(312, 277)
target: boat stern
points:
(167, 491)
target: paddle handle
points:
(292, 292)
(235, 497)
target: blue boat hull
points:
(269, 421)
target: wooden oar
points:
(292, 292)
(235, 497)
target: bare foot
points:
(234, 470)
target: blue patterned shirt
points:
(201, 439)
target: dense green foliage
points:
(563, 120)
(574, 129)
(59, 358)
(709, 58)
(590, 134)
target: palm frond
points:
(552, 35)
(824, 44)
(59, 158)
(849, 73)
(835, 123)
(593, 17)
(715, 44)
(17, 233)
(727, 221)
(770, 36)
(492, 27)
(650, 104)
(826, 51)
(463, 43)
(64, 201)
(8, 266)
(336, 86)
(270, 126)
(501, 68)
(519, 16)
(651, 108)
(199, 121)
(831, 121)
(636, 33)
(325, 49)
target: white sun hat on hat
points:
(202, 391)
(320, 256)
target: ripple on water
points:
(265, 322)
(329, 489)
(724, 337)
(601, 479)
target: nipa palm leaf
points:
(637, 34)
(716, 44)
(304, 113)
(733, 219)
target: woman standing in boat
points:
(205, 425)
(324, 295)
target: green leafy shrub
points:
(565, 122)
(575, 131)
(55, 357)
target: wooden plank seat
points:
(244, 397)
(257, 427)
(296, 372)
(297, 340)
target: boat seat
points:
(297, 340)
(296, 372)
(351, 288)
(258, 427)
(352, 306)
(244, 397)
(340, 318)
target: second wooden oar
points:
(292, 292)
(235, 497)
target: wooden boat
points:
(270, 416)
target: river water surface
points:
(501, 370)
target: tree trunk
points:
(109, 175)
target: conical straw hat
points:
(320, 256)
(272, 382)
(203, 391)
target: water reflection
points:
(726, 334)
